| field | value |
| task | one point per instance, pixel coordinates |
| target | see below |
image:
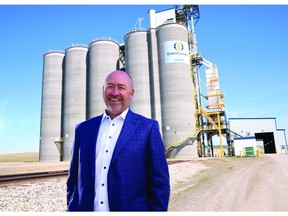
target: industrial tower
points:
(213, 121)
(160, 60)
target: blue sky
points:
(248, 43)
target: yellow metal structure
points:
(217, 126)
(207, 115)
(214, 96)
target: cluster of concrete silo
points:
(158, 62)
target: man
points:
(118, 161)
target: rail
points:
(12, 178)
(31, 176)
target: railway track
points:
(12, 178)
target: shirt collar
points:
(123, 115)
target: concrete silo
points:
(176, 85)
(137, 66)
(50, 127)
(154, 77)
(74, 94)
(103, 59)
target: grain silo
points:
(154, 77)
(103, 59)
(137, 66)
(74, 94)
(50, 127)
(175, 82)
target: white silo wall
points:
(137, 66)
(103, 59)
(154, 77)
(175, 82)
(74, 94)
(50, 127)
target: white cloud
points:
(270, 92)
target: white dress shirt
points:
(108, 135)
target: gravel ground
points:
(50, 195)
(251, 184)
(40, 196)
(226, 184)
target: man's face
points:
(117, 93)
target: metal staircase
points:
(173, 149)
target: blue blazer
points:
(138, 176)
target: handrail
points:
(175, 147)
(180, 141)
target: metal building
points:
(103, 58)
(74, 94)
(50, 126)
(269, 138)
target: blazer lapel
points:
(126, 132)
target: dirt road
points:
(235, 184)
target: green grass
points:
(20, 157)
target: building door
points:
(268, 142)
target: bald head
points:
(118, 92)
(120, 73)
